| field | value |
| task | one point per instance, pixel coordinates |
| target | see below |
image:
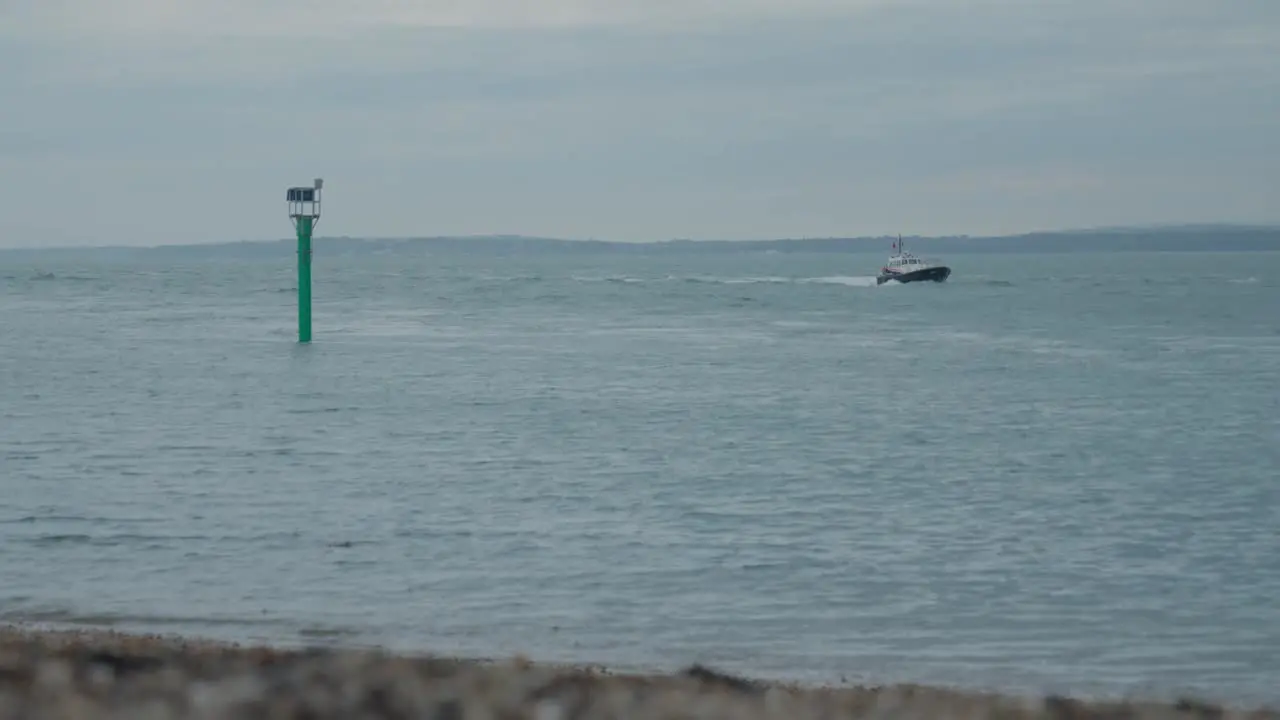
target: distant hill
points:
(1179, 238)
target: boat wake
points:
(850, 280)
(846, 280)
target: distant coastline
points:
(1172, 238)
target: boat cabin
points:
(905, 263)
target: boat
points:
(904, 267)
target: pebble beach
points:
(86, 674)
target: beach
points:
(96, 673)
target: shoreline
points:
(91, 672)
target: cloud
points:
(641, 119)
(248, 18)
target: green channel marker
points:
(304, 279)
(304, 211)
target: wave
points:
(56, 614)
(46, 276)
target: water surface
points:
(1054, 472)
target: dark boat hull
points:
(937, 273)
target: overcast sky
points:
(175, 121)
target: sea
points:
(1055, 472)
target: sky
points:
(147, 122)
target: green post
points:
(304, 211)
(304, 278)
